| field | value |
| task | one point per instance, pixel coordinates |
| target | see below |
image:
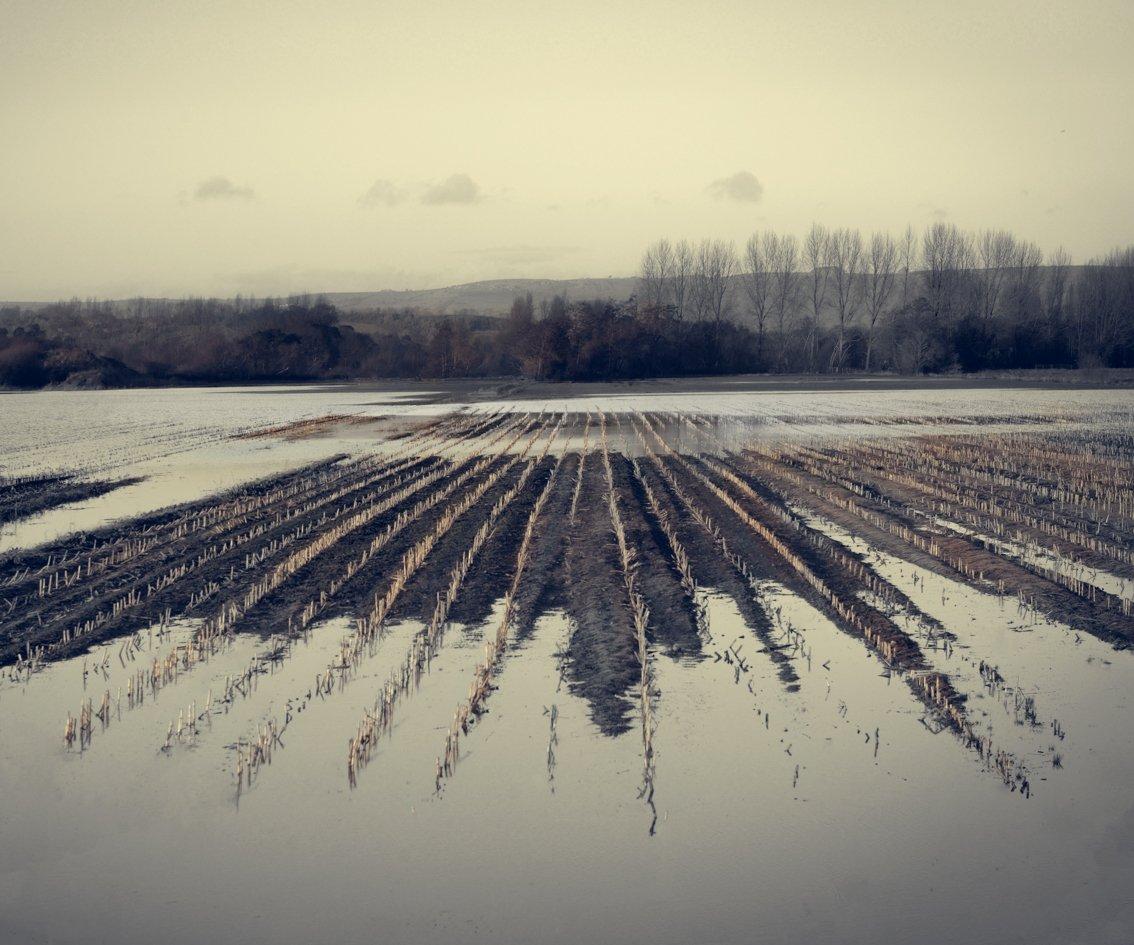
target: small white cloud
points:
(741, 187)
(457, 188)
(221, 188)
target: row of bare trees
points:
(836, 289)
(834, 300)
(690, 280)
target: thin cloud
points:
(933, 210)
(519, 248)
(382, 193)
(519, 255)
(291, 279)
(455, 189)
(221, 188)
(741, 187)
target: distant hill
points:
(492, 297)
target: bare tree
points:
(1055, 286)
(1105, 307)
(654, 275)
(846, 267)
(758, 282)
(996, 254)
(880, 276)
(991, 276)
(727, 266)
(1026, 265)
(817, 252)
(946, 252)
(681, 273)
(783, 263)
(716, 263)
(906, 250)
(698, 287)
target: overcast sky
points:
(166, 148)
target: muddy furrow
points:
(1051, 507)
(664, 530)
(174, 536)
(542, 586)
(418, 599)
(213, 516)
(1096, 539)
(580, 469)
(723, 566)
(628, 560)
(673, 623)
(425, 645)
(284, 608)
(410, 503)
(256, 587)
(22, 498)
(207, 574)
(1092, 536)
(486, 472)
(518, 610)
(800, 553)
(353, 596)
(215, 632)
(117, 543)
(909, 535)
(177, 577)
(370, 628)
(601, 664)
(845, 571)
(783, 520)
(896, 648)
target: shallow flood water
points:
(832, 812)
(127, 844)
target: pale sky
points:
(170, 148)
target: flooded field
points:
(302, 665)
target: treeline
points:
(208, 341)
(607, 340)
(943, 300)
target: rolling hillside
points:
(492, 297)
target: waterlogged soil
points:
(602, 663)
(542, 589)
(805, 782)
(23, 498)
(712, 569)
(671, 611)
